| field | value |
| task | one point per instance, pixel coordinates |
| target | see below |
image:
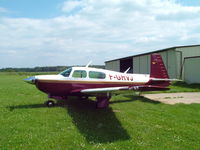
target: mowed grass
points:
(131, 122)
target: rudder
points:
(158, 69)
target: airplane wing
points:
(163, 79)
(124, 88)
(103, 90)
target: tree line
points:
(44, 69)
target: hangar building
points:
(182, 62)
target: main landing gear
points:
(83, 97)
(102, 101)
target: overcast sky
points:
(73, 32)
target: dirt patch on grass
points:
(174, 98)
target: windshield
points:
(66, 73)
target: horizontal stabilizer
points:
(148, 88)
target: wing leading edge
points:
(103, 90)
(124, 88)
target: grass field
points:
(131, 122)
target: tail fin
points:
(158, 69)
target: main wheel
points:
(84, 97)
(50, 103)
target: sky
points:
(74, 32)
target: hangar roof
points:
(157, 51)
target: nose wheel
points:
(50, 103)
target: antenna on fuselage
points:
(88, 64)
(127, 70)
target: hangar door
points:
(192, 70)
(125, 64)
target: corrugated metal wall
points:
(189, 51)
(141, 64)
(113, 65)
(192, 71)
(136, 64)
(172, 64)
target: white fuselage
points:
(110, 76)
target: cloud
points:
(71, 5)
(97, 30)
(3, 10)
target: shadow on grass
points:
(11, 108)
(132, 98)
(96, 125)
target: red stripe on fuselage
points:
(67, 87)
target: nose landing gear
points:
(50, 103)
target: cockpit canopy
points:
(82, 73)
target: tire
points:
(84, 97)
(50, 103)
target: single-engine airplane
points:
(87, 81)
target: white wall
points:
(187, 52)
(192, 70)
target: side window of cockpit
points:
(79, 74)
(97, 75)
(66, 73)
